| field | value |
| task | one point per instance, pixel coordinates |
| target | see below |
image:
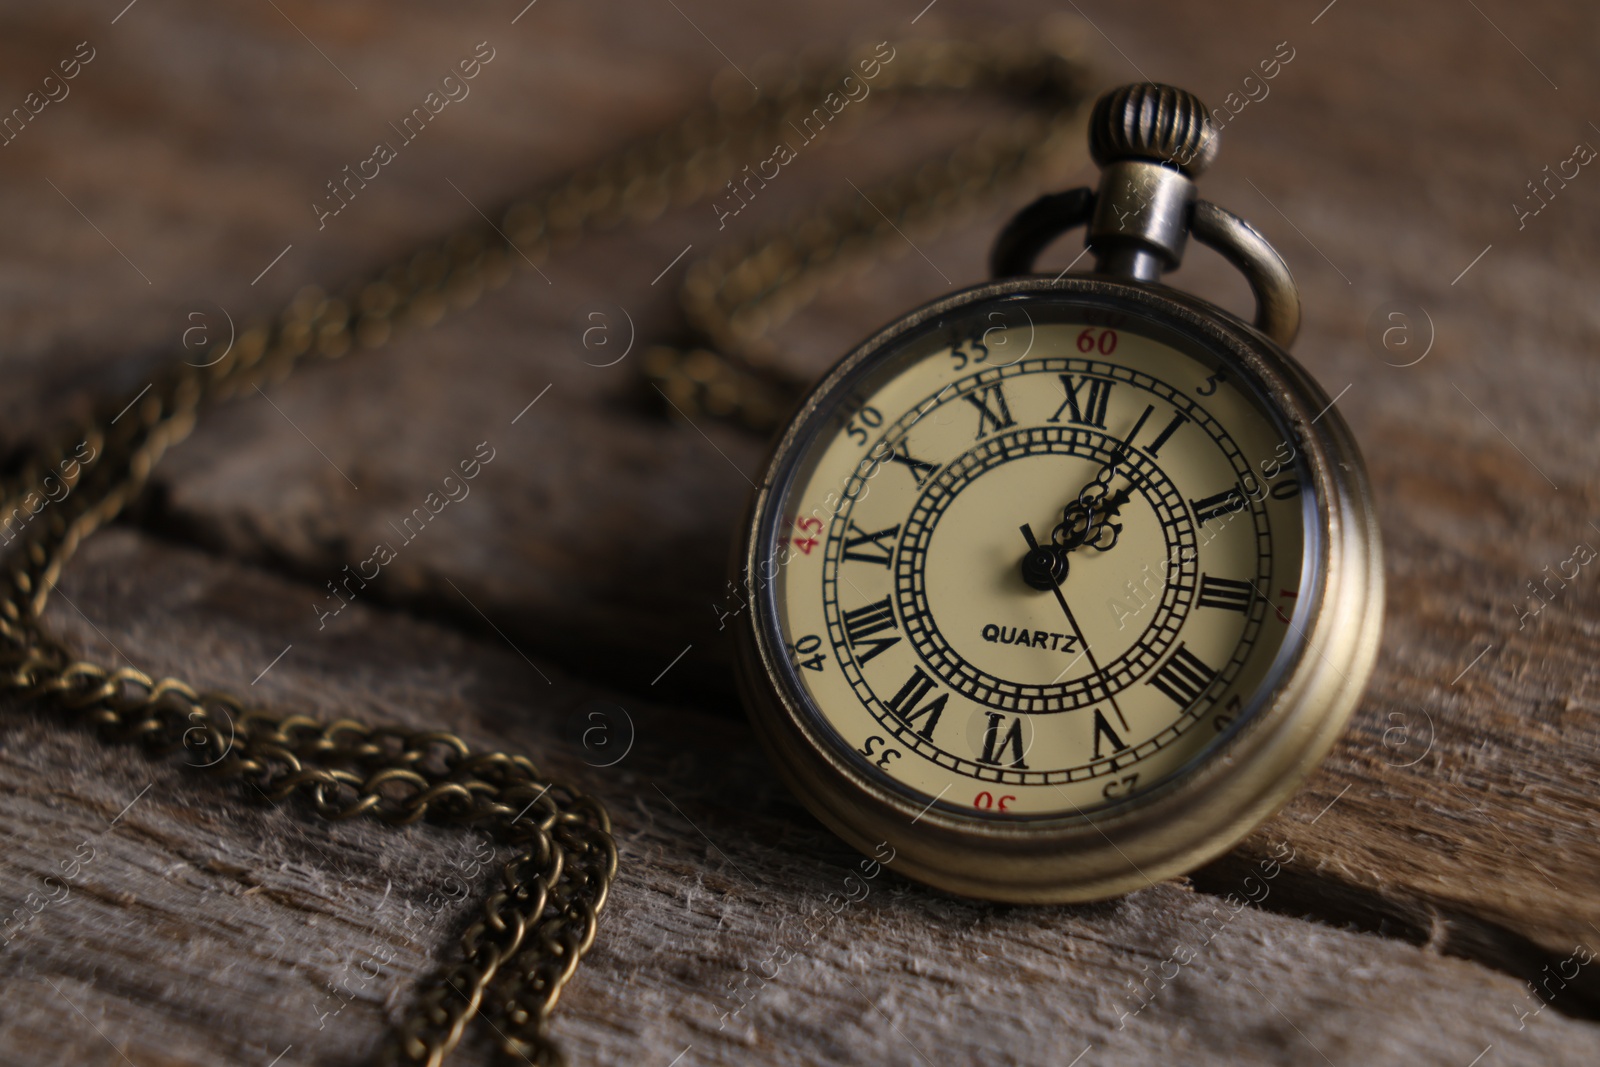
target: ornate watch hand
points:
(1044, 559)
(1068, 535)
(1092, 516)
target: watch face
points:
(1035, 557)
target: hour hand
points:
(1083, 524)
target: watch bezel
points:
(1193, 815)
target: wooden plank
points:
(202, 927)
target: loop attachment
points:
(1037, 226)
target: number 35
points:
(883, 757)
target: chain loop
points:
(541, 916)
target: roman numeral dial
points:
(922, 642)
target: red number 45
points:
(810, 526)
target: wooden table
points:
(1443, 859)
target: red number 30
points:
(986, 802)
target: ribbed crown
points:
(1154, 122)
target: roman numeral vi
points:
(995, 743)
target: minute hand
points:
(1055, 587)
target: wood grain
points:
(212, 927)
(1456, 819)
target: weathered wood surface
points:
(1457, 819)
(205, 927)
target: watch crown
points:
(1153, 122)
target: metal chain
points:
(540, 917)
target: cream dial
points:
(1039, 568)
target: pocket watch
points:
(1063, 584)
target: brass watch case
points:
(1191, 818)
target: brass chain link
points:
(540, 918)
